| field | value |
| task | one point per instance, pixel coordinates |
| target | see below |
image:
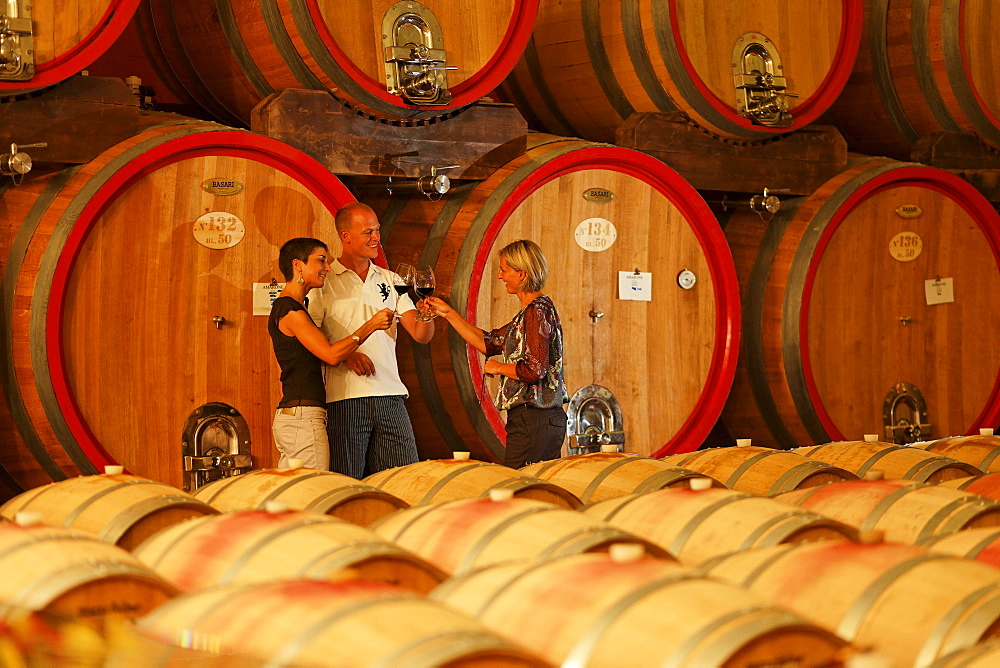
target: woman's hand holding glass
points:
(423, 286)
(438, 306)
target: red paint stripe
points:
(682, 195)
(318, 180)
(991, 553)
(86, 51)
(949, 185)
(808, 110)
(987, 485)
(476, 86)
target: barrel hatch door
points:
(904, 414)
(760, 81)
(216, 445)
(594, 421)
(17, 42)
(415, 59)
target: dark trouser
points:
(368, 435)
(534, 434)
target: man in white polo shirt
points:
(367, 421)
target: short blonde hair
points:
(525, 255)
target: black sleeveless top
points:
(301, 371)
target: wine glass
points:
(423, 286)
(402, 281)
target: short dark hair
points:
(299, 248)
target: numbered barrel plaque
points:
(906, 246)
(596, 234)
(218, 229)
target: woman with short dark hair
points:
(299, 425)
(532, 389)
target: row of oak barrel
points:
(767, 338)
(887, 75)
(737, 556)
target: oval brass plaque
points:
(598, 195)
(910, 211)
(222, 187)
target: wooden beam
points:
(964, 155)
(478, 139)
(955, 150)
(796, 163)
(79, 119)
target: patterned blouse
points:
(533, 342)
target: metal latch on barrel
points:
(582, 443)
(17, 42)
(760, 83)
(415, 59)
(226, 464)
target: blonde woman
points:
(532, 389)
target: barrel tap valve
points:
(433, 185)
(18, 163)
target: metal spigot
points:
(766, 202)
(434, 185)
(17, 163)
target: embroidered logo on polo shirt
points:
(383, 290)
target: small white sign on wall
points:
(264, 295)
(939, 291)
(635, 286)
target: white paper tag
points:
(635, 286)
(939, 291)
(264, 295)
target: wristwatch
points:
(357, 339)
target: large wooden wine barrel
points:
(460, 536)
(836, 315)
(73, 574)
(898, 600)
(924, 66)
(590, 65)
(327, 624)
(66, 36)
(121, 509)
(903, 511)
(987, 485)
(596, 476)
(438, 480)
(595, 210)
(325, 492)
(762, 471)
(695, 526)
(229, 55)
(640, 613)
(895, 462)
(127, 307)
(978, 544)
(982, 451)
(261, 546)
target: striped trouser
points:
(369, 434)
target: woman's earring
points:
(301, 281)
